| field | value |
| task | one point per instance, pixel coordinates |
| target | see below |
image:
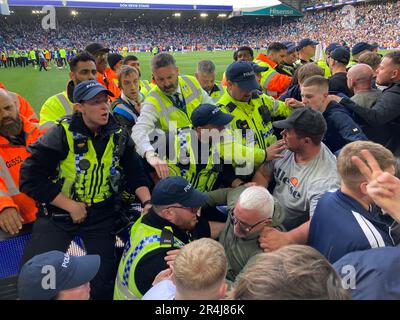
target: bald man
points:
(16, 134)
(359, 80)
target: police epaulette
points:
(230, 107)
(66, 118)
(167, 236)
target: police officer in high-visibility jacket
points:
(168, 106)
(306, 48)
(82, 68)
(74, 172)
(252, 112)
(287, 66)
(208, 156)
(273, 83)
(170, 224)
(205, 74)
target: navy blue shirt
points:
(341, 128)
(341, 225)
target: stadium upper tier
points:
(374, 22)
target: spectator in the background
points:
(100, 53)
(115, 61)
(348, 220)
(294, 272)
(65, 277)
(338, 61)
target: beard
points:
(11, 129)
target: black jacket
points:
(52, 147)
(385, 112)
(341, 128)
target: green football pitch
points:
(37, 86)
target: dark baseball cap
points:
(242, 73)
(341, 54)
(306, 42)
(291, 46)
(87, 90)
(177, 190)
(257, 68)
(93, 48)
(331, 47)
(206, 114)
(305, 119)
(361, 46)
(68, 272)
(113, 59)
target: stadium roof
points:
(152, 4)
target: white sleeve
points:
(145, 124)
(206, 98)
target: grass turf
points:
(37, 86)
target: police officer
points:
(287, 66)
(306, 48)
(251, 111)
(82, 68)
(74, 172)
(171, 223)
(207, 155)
(205, 74)
(168, 105)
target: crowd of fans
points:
(375, 22)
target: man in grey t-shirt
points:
(304, 173)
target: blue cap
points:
(69, 272)
(332, 47)
(341, 54)
(291, 46)
(206, 114)
(242, 73)
(257, 68)
(361, 46)
(177, 190)
(306, 42)
(87, 90)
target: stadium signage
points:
(118, 5)
(331, 4)
(279, 10)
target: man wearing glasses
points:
(250, 210)
(100, 53)
(173, 221)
